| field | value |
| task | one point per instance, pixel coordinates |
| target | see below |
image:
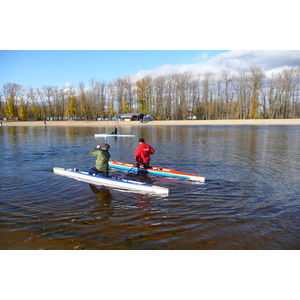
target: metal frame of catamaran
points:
(111, 182)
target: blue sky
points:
(37, 68)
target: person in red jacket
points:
(142, 154)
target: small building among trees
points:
(129, 117)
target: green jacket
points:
(102, 159)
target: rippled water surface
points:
(250, 199)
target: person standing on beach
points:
(103, 156)
(142, 154)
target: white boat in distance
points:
(130, 185)
(104, 135)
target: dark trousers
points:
(95, 171)
(145, 165)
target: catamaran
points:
(111, 182)
(155, 171)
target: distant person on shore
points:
(45, 123)
(115, 130)
(103, 156)
(1, 123)
(142, 154)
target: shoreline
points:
(153, 123)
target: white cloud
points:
(269, 60)
(68, 85)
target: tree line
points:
(239, 94)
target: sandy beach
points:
(155, 123)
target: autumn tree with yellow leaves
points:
(9, 107)
(71, 108)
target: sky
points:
(38, 68)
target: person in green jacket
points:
(101, 166)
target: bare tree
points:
(118, 90)
(48, 92)
(129, 94)
(168, 98)
(295, 96)
(159, 84)
(243, 91)
(207, 83)
(11, 89)
(194, 96)
(227, 80)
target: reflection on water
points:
(250, 199)
(103, 194)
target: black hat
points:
(141, 140)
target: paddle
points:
(129, 171)
(133, 166)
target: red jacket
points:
(142, 153)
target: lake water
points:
(250, 199)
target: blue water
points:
(250, 199)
